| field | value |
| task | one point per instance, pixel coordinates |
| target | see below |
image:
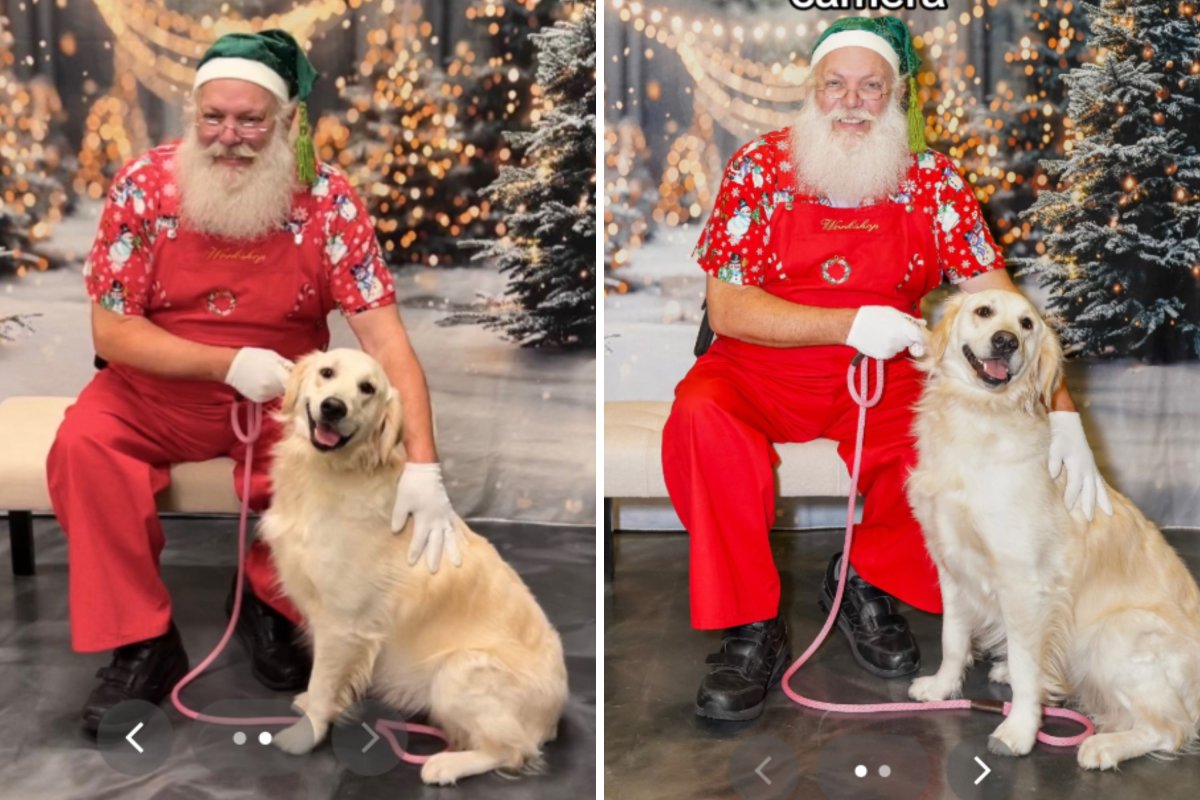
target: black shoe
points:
(145, 670)
(879, 636)
(277, 657)
(752, 659)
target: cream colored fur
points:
(1103, 615)
(470, 645)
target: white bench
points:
(633, 463)
(27, 428)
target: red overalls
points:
(739, 398)
(112, 452)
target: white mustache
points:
(239, 150)
(863, 116)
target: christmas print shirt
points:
(143, 204)
(760, 181)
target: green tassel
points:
(916, 122)
(306, 158)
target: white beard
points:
(848, 167)
(230, 202)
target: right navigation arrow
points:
(374, 738)
(986, 770)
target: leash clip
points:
(988, 705)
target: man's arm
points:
(137, 342)
(753, 315)
(1000, 279)
(382, 335)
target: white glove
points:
(1069, 447)
(257, 374)
(882, 332)
(421, 493)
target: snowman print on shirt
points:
(951, 179)
(122, 248)
(948, 217)
(739, 171)
(979, 246)
(320, 187)
(345, 207)
(335, 249)
(296, 228)
(369, 285)
(732, 272)
(739, 224)
(114, 298)
(127, 191)
(168, 224)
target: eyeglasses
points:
(245, 128)
(835, 89)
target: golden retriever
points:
(1102, 614)
(468, 644)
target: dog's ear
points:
(392, 426)
(1049, 366)
(939, 339)
(292, 392)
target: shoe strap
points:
(115, 675)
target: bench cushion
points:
(633, 457)
(27, 428)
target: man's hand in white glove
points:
(882, 332)
(421, 493)
(257, 374)
(1069, 448)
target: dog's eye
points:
(984, 311)
(367, 388)
(326, 372)
(1027, 323)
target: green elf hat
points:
(890, 38)
(273, 60)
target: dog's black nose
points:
(1004, 343)
(332, 409)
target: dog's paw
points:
(298, 740)
(300, 702)
(1013, 737)
(931, 689)
(441, 769)
(1098, 752)
(999, 673)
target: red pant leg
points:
(717, 461)
(889, 548)
(108, 460)
(261, 576)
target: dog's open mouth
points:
(325, 437)
(992, 371)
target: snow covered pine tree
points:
(549, 250)
(1122, 233)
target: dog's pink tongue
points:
(995, 368)
(326, 435)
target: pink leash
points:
(385, 728)
(859, 393)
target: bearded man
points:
(217, 261)
(824, 239)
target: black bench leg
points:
(608, 540)
(20, 534)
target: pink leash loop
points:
(859, 393)
(248, 437)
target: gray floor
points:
(44, 755)
(656, 748)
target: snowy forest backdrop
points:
(445, 115)
(1079, 130)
